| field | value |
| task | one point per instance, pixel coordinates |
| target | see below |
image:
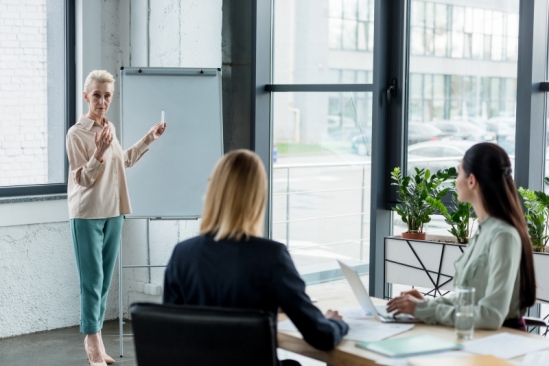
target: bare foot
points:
(93, 349)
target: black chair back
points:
(196, 335)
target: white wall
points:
(39, 286)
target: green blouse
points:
(490, 264)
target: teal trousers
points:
(96, 243)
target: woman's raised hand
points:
(155, 132)
(102, 141)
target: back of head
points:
(491, 167)
(235, 199)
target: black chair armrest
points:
(534, 322)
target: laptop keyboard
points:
(382, 310)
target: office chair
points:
(532, 323)
(196, 335)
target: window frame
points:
(390, 120)
(70, 110)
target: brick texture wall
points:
(23, 93)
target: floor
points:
(65, 346)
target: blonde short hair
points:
(102, 76)
(235, 198)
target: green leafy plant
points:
(413, 192)
(459, 218)
(537, 213)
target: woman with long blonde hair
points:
(230, 265)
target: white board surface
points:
(170, 180)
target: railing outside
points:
(288, 194)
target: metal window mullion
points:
(261, 113)
(530, 110)
(318, 88)
(388, 130)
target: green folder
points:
(408, 346)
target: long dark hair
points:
(491, 167)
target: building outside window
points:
(462, 86)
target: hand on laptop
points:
(414, 293)
(330, 314)
(403, 304)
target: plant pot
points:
(414, 236)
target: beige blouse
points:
(98, 190)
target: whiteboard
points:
(169, 181)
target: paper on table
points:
(505, 345)
(404, 362)
(360, 330)
(536, 358)
(368, 331)
(354, 312)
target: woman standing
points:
(98, 198)
(498, 262)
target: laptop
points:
(378, 312)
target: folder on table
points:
(477, 360)
(409, 346)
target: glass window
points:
(488, 21)
(336, 8)
(362, 36)
(335, 33)
(451, 152)
(478, 20)
(468, 24)
(310, 39)
(322, 140)
(497, 48)
(363, 10)
(350, 9)
(431, 152)
(33, 94)
(463, 100)
(417, 46)
(441, 20)
(440, 42)
(418, 13)
(349, 35)
(458, 18)
(320, 205)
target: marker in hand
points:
(162, 119)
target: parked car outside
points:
(424, 131)
(361, 143)
(464, 130)
(428, 155)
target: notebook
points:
(409, 346)
(484, 360)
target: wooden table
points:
(346, 353)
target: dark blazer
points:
(255, 273)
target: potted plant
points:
(537, 213)
(459, 219)
(413, 192)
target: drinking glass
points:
(465, 312)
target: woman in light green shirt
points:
(498, 262)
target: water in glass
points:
(465, 312)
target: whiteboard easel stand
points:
(148, 265)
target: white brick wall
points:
(23, 93)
